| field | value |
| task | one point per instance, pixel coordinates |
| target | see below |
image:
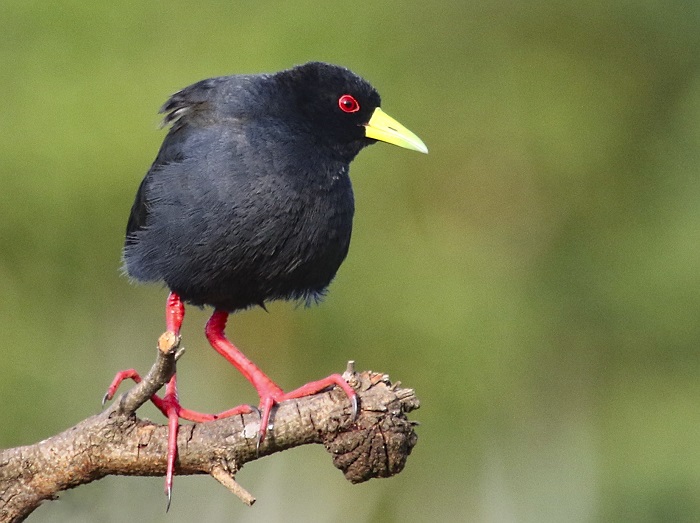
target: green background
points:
(535, 278)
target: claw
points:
(355, 407)
(173, 428)
(266, 407)
(121, 376)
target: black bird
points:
(249, 201)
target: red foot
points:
(269, 392)
(121, 376)
(169, 404)
(269, 400)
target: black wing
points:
(184, 108)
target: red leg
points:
(174, 313)
(270, 393)
(169, 404)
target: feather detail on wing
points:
(190, 100)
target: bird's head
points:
(340, 108)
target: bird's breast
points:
(318, 220)
(286, 233)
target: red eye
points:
(348, 104)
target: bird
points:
(249, 201)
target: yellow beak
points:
(384, 128)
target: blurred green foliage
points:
(536, 278)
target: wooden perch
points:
(115, 441)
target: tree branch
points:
(115, 441)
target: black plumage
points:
(249, 199)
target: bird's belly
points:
(291, 253)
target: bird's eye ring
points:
(348, 104)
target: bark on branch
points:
(115, 441)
